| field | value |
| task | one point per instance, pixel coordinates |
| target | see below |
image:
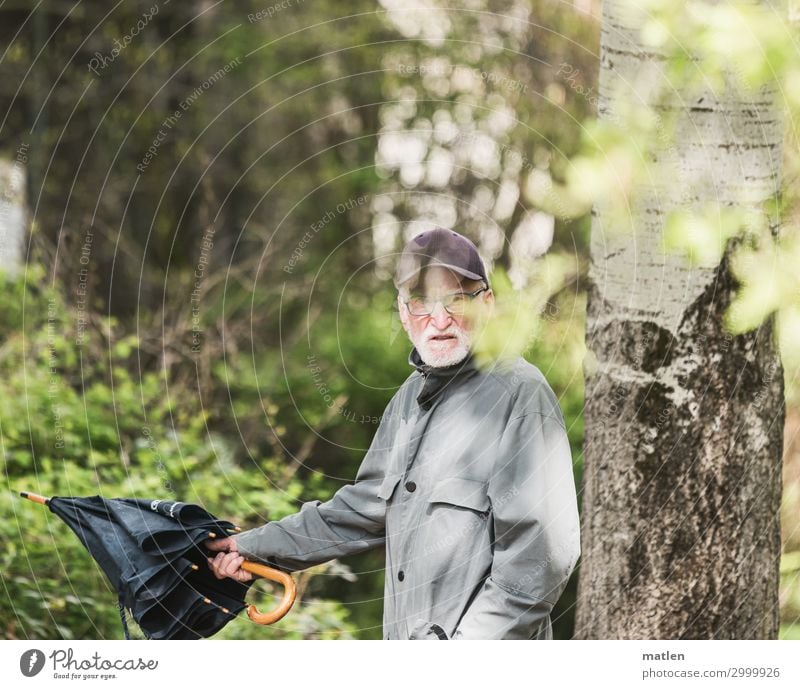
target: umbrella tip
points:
(35, 497)
(237, 528)
(211, 534)
(208, 601)
(195, 567)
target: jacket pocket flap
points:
(387, 486)
(464, 492)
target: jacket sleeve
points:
(536, 533)
(352, 521)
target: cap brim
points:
(457, 269)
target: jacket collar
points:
(437, 378)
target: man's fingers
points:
(244, 576)
(231, 563)
(217, 544)
(219, 562)
(212, 563)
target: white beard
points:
(453, 353)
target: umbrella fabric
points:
(152, 553)
(179, 521)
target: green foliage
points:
(703, 234)
(515, 321)
(790, 595)
(74, 421)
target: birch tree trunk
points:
(684, 422)
(13, 213)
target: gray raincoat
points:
(468, 484)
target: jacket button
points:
(411, 486)
(401, 575)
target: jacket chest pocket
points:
(457, 524)
(462, 493)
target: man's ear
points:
(401, 309)
(489, 301)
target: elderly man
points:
(468, 482)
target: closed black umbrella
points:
(152, 553)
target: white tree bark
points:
(684, 422)
(13, 213)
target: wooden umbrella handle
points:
(289, 592)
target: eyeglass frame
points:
(471, 295)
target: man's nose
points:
(440, 316)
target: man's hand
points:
(228, 561)
(227, 544)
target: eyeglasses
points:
(454, 304)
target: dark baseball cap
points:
(439, 247)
